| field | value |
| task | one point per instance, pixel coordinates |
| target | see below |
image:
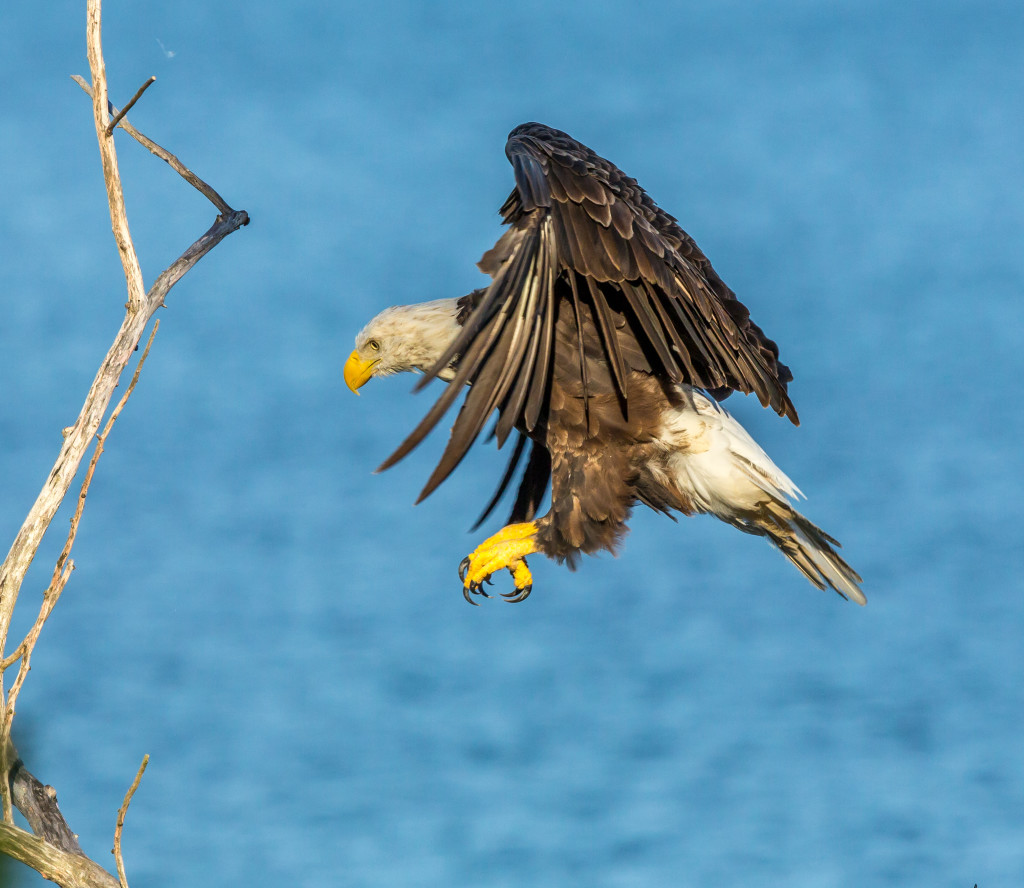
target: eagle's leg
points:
(506, 549)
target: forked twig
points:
(165, 155)
(23, 550)
(53, 851)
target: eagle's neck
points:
(429, 329)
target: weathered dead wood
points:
(119, 828)
(38, 804)
(52, 848)
(67, 870)
(116, 119)
(202, 187)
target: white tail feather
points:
(724, 472)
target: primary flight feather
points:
(604, 339)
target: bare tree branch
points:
(67, 870)
(64, 566)
(54, 850)
(38, 804)
(111, 175)
(14, 568)
(119, 828)
(165, 155)
(138, 95)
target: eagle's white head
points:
(403, 337)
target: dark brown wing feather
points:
(608, 229)
(506, 479)
(532, 486)
(583, 233)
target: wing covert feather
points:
(584, 234)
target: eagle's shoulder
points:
(466, 304)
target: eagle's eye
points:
(374, 345)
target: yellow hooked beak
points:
(358, 371)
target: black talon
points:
(463, 568)
(465, 594)
(518, 595)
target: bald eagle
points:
(605, 341)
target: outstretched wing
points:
(585, 236)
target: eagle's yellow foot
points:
(507, 548)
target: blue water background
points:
(284, 633)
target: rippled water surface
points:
(284, 633)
